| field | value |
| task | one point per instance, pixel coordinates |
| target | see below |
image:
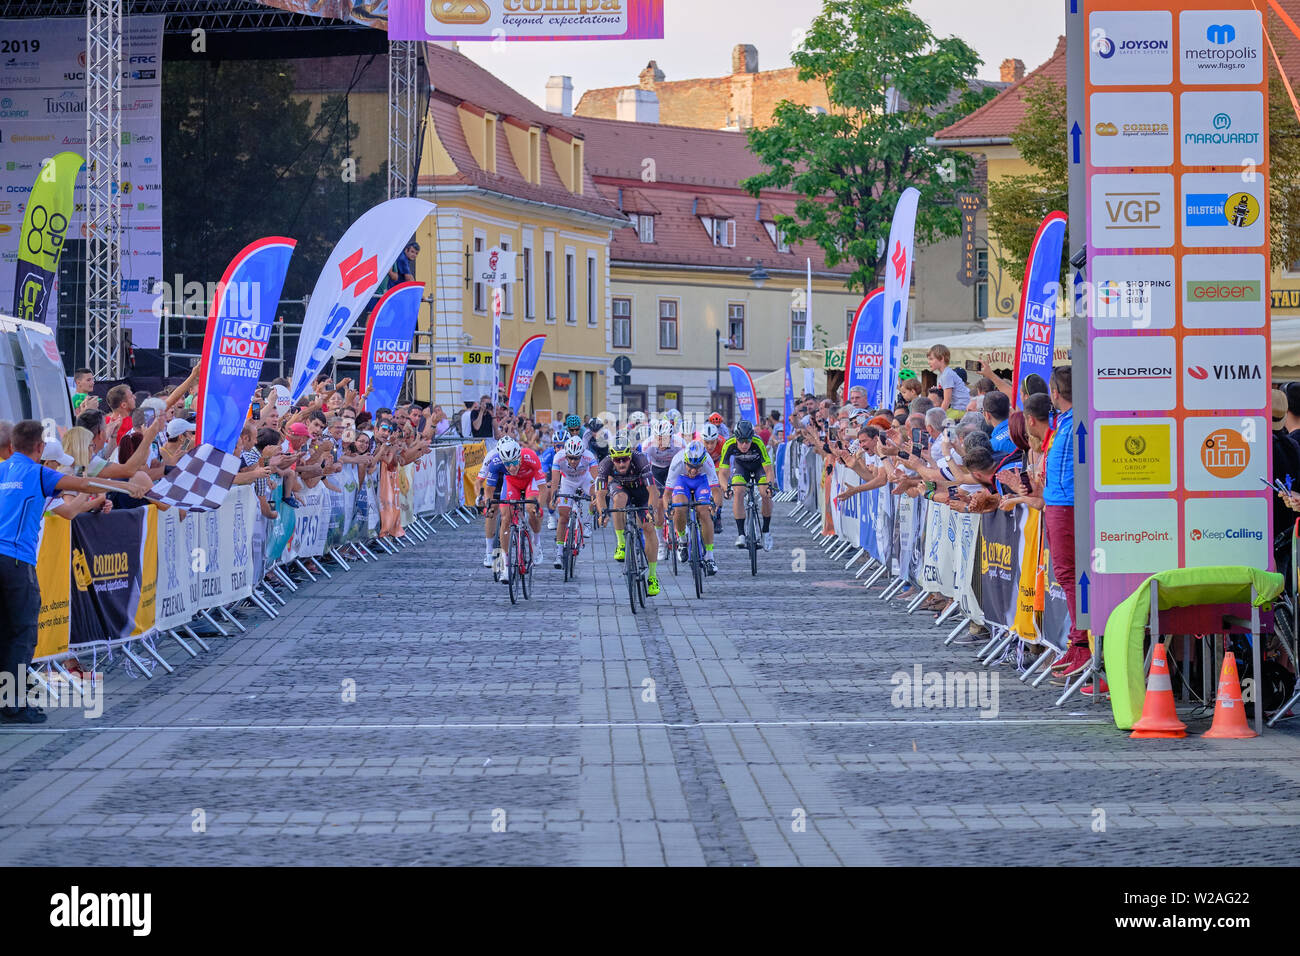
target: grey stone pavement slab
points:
(754, 727)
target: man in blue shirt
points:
(997, 412)
(25, 486)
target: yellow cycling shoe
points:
(652, 587)
(620, 554)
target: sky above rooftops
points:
(699, 36)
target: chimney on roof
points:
(1013, 71)
(559, 95)
(650, 76)
(744, 58)
(636, 105)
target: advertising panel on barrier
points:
(52, 562)
(1026, 619)
(474, 453)
(907, 523)
(313, 522)
(173, 607)
(999, 565)
(114, 564)
(964, 566)
(209, 563)
(235, 543)
(936, 526)
(1055, 629)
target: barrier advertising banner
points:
(999, 565)
(351, 273)
(45, 223)
(387, 345)
(52, 563)
(448, 20)
(234, 345)
(113, 587)
(1042, 289)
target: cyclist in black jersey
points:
(744, 458)
(630, 483)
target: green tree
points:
(891, 84)
(1018, 204)
(246, 159)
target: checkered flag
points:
(200, 481)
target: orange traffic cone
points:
(1159, 719)
(1229, 714)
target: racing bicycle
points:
(573, 535)
(636, 567)
(695, 544)
(519, 550)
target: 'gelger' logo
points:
(1223, 290)
(1224, 453)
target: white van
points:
(32, 381)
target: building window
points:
(982, 286)
(570, 310)
(508, 289)
(724, 232)
(591, 290)
(736, 325)
(478, 286)
(550, 286)
(591, 394)
(798, 329)
(529, 312)
(645, 228)
(668, 323)
(575, 377)
(621, 331)
(777, 237)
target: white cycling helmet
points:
(673, 415)
(636, 418)
(664, 427)
(709, 432)
(573, 448)
(509, 452)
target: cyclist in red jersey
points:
(519, 468)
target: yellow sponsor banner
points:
(144, 611)
(52, 562)
(474, 452)
(1136, 453)
(1026, 593)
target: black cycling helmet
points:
(744, 430)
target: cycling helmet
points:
(573, 448)
(744, 430)
(716, 418)
(559, 436)
(621, 447)
(595, 425)
(509, 452)
(673, 415)
(636, 418)
(710, 432)
(695, 454)
(664, 427)
(572, 421)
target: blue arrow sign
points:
(1083, 593)
(1074, 6)
(1075, 135)
(1081, 441)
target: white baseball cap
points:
(53, 451)
(178, 427)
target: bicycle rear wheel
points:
(631, 572)
(671, 531)
(642, 571)
(566, 555)
(526, 562)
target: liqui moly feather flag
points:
(234, 345)
(522, 369)
(389, 335)
(898, 285)
(746, 397)
(350, 276)
(864, 361)
(789, 390)
(1037, 333)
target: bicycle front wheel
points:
(526, 563)
(512, 566)
(633, 574)
(697, 560)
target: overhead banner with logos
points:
(1177, 423)
(525, 19)
(43, 113)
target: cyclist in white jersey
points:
(660, 450)
(574, 468)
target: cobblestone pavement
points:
(485, 733)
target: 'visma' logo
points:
(1221, 33)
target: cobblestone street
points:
(486, 733)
